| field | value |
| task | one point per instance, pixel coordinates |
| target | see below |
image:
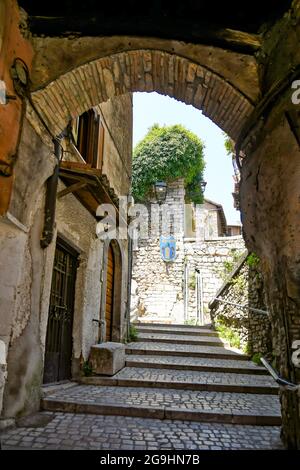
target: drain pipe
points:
(129, 267)
(50, 202)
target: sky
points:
(150, 108)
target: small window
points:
(88, 133)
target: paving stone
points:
(178, 367)
(197, 363)
(195, 380)
(190, 350)
(173, 434)
(239, 404)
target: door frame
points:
(117, 292)
(64, 245)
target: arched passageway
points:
(260, 114)
(143, 70)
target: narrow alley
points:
(182, 388)
(149, 225)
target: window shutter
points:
(90, 142)
(100, 145)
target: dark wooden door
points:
(58, 352)
(109, 294)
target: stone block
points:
(107, 358)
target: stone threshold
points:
(199, 368)
(209, 387)
(161, 413)
(48, 389)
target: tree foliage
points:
(165, 154)
(229, 145)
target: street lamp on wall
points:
(203, 186)
(160, 189)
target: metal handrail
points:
(278, 379)
(258, 310)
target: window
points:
(88, 133)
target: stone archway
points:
(270, 176)
(142, 70)
(89, 84)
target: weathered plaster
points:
(55, 56)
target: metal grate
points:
(60, 321)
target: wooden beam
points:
(71, 189)
(68, 176)
(195, 30)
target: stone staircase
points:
(177, 373)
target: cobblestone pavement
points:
(195, 377)
(70, 431)
(183, 348)
(178, 338)
(194, 362)
(251, 404)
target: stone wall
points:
(157, 290)
(209, 258)
(270, 203)
(168, 292)
(116, 115)
(244, 286)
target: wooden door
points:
(58, 353)
(109, 294)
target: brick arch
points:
(143, 70)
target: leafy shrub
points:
(133, 334)
(229, 335)
(87, 369)
(165, 154)
(191, 321)
(256, 358)
(253, 260)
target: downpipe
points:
(50, 202)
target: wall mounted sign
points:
(167, 248)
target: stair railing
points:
(278, 379)
(247, 307)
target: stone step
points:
(173, 349)
(175, 331)
(179, 339)
(173, 326)
(171, 404)
(187, 380)
(197, 364)
(71, 431)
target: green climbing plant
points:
(253, 260)
(87, 369)
(229, 335)
(132, 334)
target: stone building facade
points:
(34, 291)
(180, 291)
